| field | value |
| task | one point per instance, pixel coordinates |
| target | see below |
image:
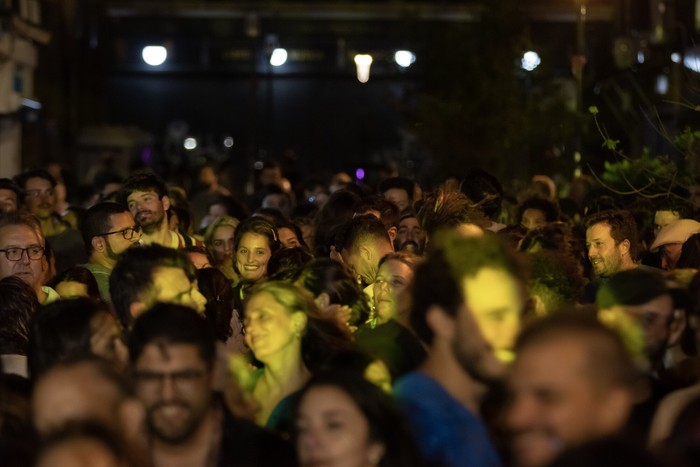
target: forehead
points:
(253, 240)
(552, 362)
(121, 220)
(5, 193)
(166, 356)
(329, 399)
(137, 194)
(395, 193)
(224, 231)
(170, 278)
(409, 222)
(665, 217)
(37, 182)
(663, 305)
(533, 212)
(599, 231)
(19, 234)
(492, 290)
(263, 300)
(395, 268)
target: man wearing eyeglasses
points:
(22, 253)
(108, 229)
(172, 355)
(40, 199)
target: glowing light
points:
(676, 57)
(228, 141)
(360, 173)
(640, 57)
(190, 143)
(154, 55)
(530, 60)
(258, 165)
(692, 61)
(404, 58)
(278, 57)
(363, 62)
(661, 84)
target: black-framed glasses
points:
(15, 254)
(128, 233)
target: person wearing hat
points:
(669, 242)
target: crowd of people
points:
(344, 325)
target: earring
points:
(374, 457)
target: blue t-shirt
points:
(445, 430)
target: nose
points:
(167, 388)
(228, 246)
(249, 257)
(25, 257)
(199, 300)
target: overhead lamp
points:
(154, 55)
(363, 62)
(190, 143)
(278, 57)
(530, 60)
(404, 58)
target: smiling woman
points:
(254, 242)
(287, 332)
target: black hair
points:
(622, 227)
(361, 229)
(59, 330)
(78, 274)
(9, 184)
(445, 209)
(142, 180)
(388, 211)
(385, 422)
(218, 290)
(548, 208)
(19, 304)
(132, 277)
(96, 221)
(397, 183)
(22, 178)
(169, 324)
(288, 263)
(485, 190)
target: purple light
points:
(360, 173)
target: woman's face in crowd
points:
(252, 256)
(393, 279)
(222, 244)
(270, 327)
(333, 431)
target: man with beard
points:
(40, 199)
(172, 354)
(108, 229)
(467, 300)
(146, 196)
(410, 236)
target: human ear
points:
(440, 322)
(97, 243)
(375, 452)
(624, 246)
(166, 202)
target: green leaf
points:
(593, 110)
(611, 143)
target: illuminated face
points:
(171, 285)
(399, 197)
(115, 243)
(222, 244)
(148, 210)
(8, 200)
(393, 278)
(410, 236)
(663, 218)
(496, 300)
(533, 219)
(670, 254)
(252, 256)
(175, 386)
(271, 329)
(360, 264)
(40, 197)
(30, 271)
(288, 238)
(606, 257)
(106, 339)
(556, 403)
(73, 452)
(333, 431)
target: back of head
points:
(288, 263)
(60, 330)
(133, 275)
(365, 229)
(547, 207)
(218, 290)
(446, 209)
(19, 305)
(484, 190)
(388, 212)
(96, 221)
(397, 183)
(630, 288)
(167, 324)
(453, 257)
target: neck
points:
(102, 260)
(442, 366)
(196, 450)
(160, 235)
(51, 226)
(286, 370)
